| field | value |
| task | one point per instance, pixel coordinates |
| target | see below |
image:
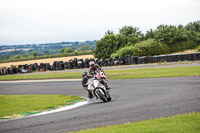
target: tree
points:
(62, 51)
(177, 38)
(35, 54)
(130, 35)
(130, 31)
(106, 46)
(85, 48)
(66, 50)
(166, 34)
(17, 56)
(149, 34)
(194, 26)
(109, 32)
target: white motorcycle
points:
(98, 90)
(101, 75)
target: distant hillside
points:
(17, 51)
(46, 46)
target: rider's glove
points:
(85, 85)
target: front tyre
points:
(108, 97)
(102, 97)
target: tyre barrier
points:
(80, 63)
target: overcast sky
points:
(48, 21)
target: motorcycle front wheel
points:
(108, 97)
(102, 97)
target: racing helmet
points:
(91, 63)
(84, 73)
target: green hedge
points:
(184, 45)
(145, 48)
(152, 47)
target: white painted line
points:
(63, 108)
(46, 80)
(55, 110)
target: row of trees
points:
(12, 55)
(163, 40)
(70, 50)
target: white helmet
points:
(91, 63)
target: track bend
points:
(132, 100)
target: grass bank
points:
(189, 123)
(115, 74)
(154, 73)
(12, 104)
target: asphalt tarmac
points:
(132, 100)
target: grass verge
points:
(115, 74)
(154, 73)
(12, 104)
(188, 123)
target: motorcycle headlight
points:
(90, 87)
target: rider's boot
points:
(89, 94)
(107, 88)
(105, 84)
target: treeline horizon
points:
(42, 51)
(165, 39)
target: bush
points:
(181, 46)
(151, 47)
(129, 50)
(66, 50)
(145, 48)
(198, 48)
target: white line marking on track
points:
(63, 108)
(55, 110)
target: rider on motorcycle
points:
(94, 68)
(85, 84)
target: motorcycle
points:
(98, 89)
(101, 75)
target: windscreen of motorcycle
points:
(96, 83)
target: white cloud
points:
(40, 21)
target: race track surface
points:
(133, 100)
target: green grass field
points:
(12, 104)
(115, 74)
(188, 123)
